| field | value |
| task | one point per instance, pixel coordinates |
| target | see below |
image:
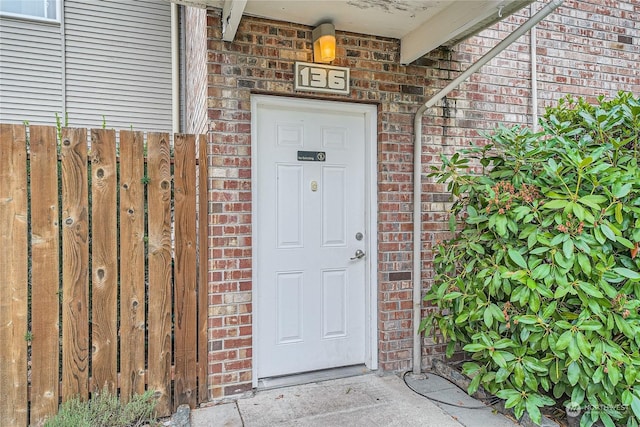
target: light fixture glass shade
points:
(324, 43)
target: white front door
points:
(311, 237)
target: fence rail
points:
(103, 262)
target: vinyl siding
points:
(118, 63)
(30, 71)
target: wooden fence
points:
(103, 267)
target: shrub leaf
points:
(517, 258)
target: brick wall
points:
(261, 59)
(585, 48)
(597, 50)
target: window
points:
(38, 9)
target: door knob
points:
(359, 254)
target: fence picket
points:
(75, 264)
(14, 273)
(160, 275)
(44, 272)
(132, 285)
(104, 260)
(185, 270)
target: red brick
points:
(237, 343)
(223, 355)
(237, 365)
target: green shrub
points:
(540, 284)
(106, 410)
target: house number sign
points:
(321, 78)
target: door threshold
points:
(312, 377)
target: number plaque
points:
(321, 78)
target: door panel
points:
(334, 303)
(310, 292)
(334, 206)
(289, 307)
(289, 206)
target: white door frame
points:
(371, 221)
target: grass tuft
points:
(105, 410)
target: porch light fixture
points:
(324, 43)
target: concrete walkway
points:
(365, 400)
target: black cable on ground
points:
(489, 401)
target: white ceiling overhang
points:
(420, 25)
